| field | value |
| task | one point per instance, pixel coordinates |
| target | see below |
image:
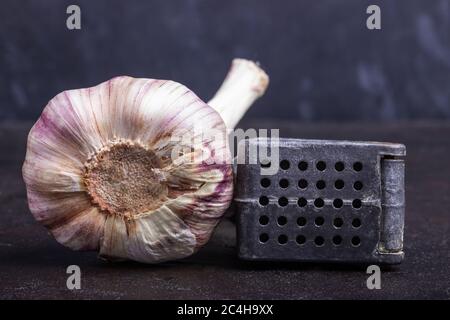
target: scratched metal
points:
(337, 201)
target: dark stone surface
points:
(33, 265)
(323, 62)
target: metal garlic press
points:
(320, 201)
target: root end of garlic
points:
(124, 178)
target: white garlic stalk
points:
(101, 174)
(244, 83)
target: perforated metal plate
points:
(329, 201)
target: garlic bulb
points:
(104, 172)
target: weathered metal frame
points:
(381, 214)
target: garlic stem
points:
(245, 83)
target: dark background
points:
(324, 64)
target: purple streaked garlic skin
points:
(100, 172)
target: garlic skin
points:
(100, 173)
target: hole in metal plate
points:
(284, 164)
(282, 239)
(265, 182)
(337, 240)
(263, 237)
(301, 239)
(319, 221)
(301, 221)
(338, 203)
(302, 184)
(357, 166)
(282, 220)
(358, 185)
(339, 166)
(356, 241)
(284, 183)
(264, 220)
(338, 222)
(303, 165)
(319, 241)
(339, 184)
(320, 184)
(283, 201)
(302, 202)
(319, 203)
(321, 165)
(263, 200)
(356, 223)
(356, 203)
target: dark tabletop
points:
(33, 265)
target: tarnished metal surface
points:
(336, 201)
(392, 205)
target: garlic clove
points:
(101, 174)
(154, 237)
(70, 217)
(81, 231)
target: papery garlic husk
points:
(100, 172)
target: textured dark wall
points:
(323, 62)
